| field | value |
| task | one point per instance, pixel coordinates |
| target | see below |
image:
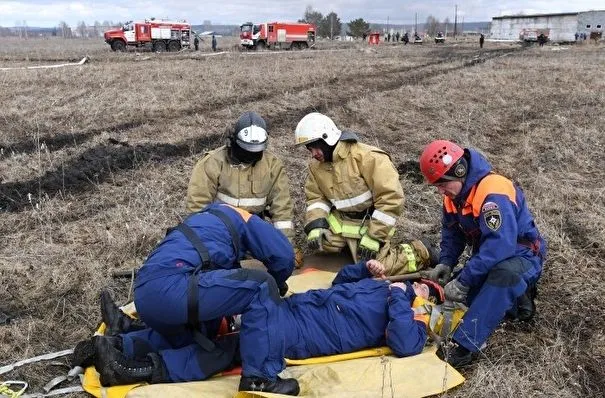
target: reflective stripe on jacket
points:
(492, 216)
(257, 188)
(360, 178)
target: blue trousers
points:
(162, 305)
(489, 302)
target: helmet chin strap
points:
(239, 155)
(327, 150)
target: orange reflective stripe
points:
(243, 213)
(449, 205)
(468, 208)
(492, 184)
(424, 318)
(420, 313)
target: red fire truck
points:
(158, 34)
(282, 35)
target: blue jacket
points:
(491, 215)
(175, 254)
(356, 313)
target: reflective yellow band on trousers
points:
(346, 228)
(335, 224)
(409, 253)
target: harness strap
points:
(197, 243)
(230, 227)
(205, 265)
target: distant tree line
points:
(330, 25)
(63, 29)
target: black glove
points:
(441, 274)
(283, 289)
(364, 254)
(368, 248)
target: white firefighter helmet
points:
(250, 132)
(315, 126)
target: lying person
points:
(357, 312)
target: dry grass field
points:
(95, 161)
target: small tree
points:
(98, 29)
(447, 25)
(82, 30)
(312, 17)
(65, 30)
(330, 26)
(431, 25)
(358, 27)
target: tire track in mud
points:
(62, 140)
(385, 83)
(98, 164)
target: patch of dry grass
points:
(94, 164)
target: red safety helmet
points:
(437, 158)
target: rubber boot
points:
(457, 356)
(115, 369)
(279, 386)
(526, 306)
(84, 352)
(116, 321)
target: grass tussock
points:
(95, 161)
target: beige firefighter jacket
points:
(360, 178)
(257, 188)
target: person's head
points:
(429, 290)
(318, 134)
(248, 138)
(443, 165)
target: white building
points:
(560, 27)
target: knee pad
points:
(259, 276)
(505, 274)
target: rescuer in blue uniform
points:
(357, 312)
(488, 212)
(189, 281)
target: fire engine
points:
(160, 35)
(277, 34)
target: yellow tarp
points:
(366, 373)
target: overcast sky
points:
(48, 13)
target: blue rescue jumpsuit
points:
(161, 293)
(491, 215)
(357, 312)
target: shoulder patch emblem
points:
(487, 206)
(493, 219)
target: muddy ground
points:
(95, 161)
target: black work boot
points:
(526, 306)
(116, 321)
(84, 354)
(457, 356)
(279, 386)
(115, 369)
